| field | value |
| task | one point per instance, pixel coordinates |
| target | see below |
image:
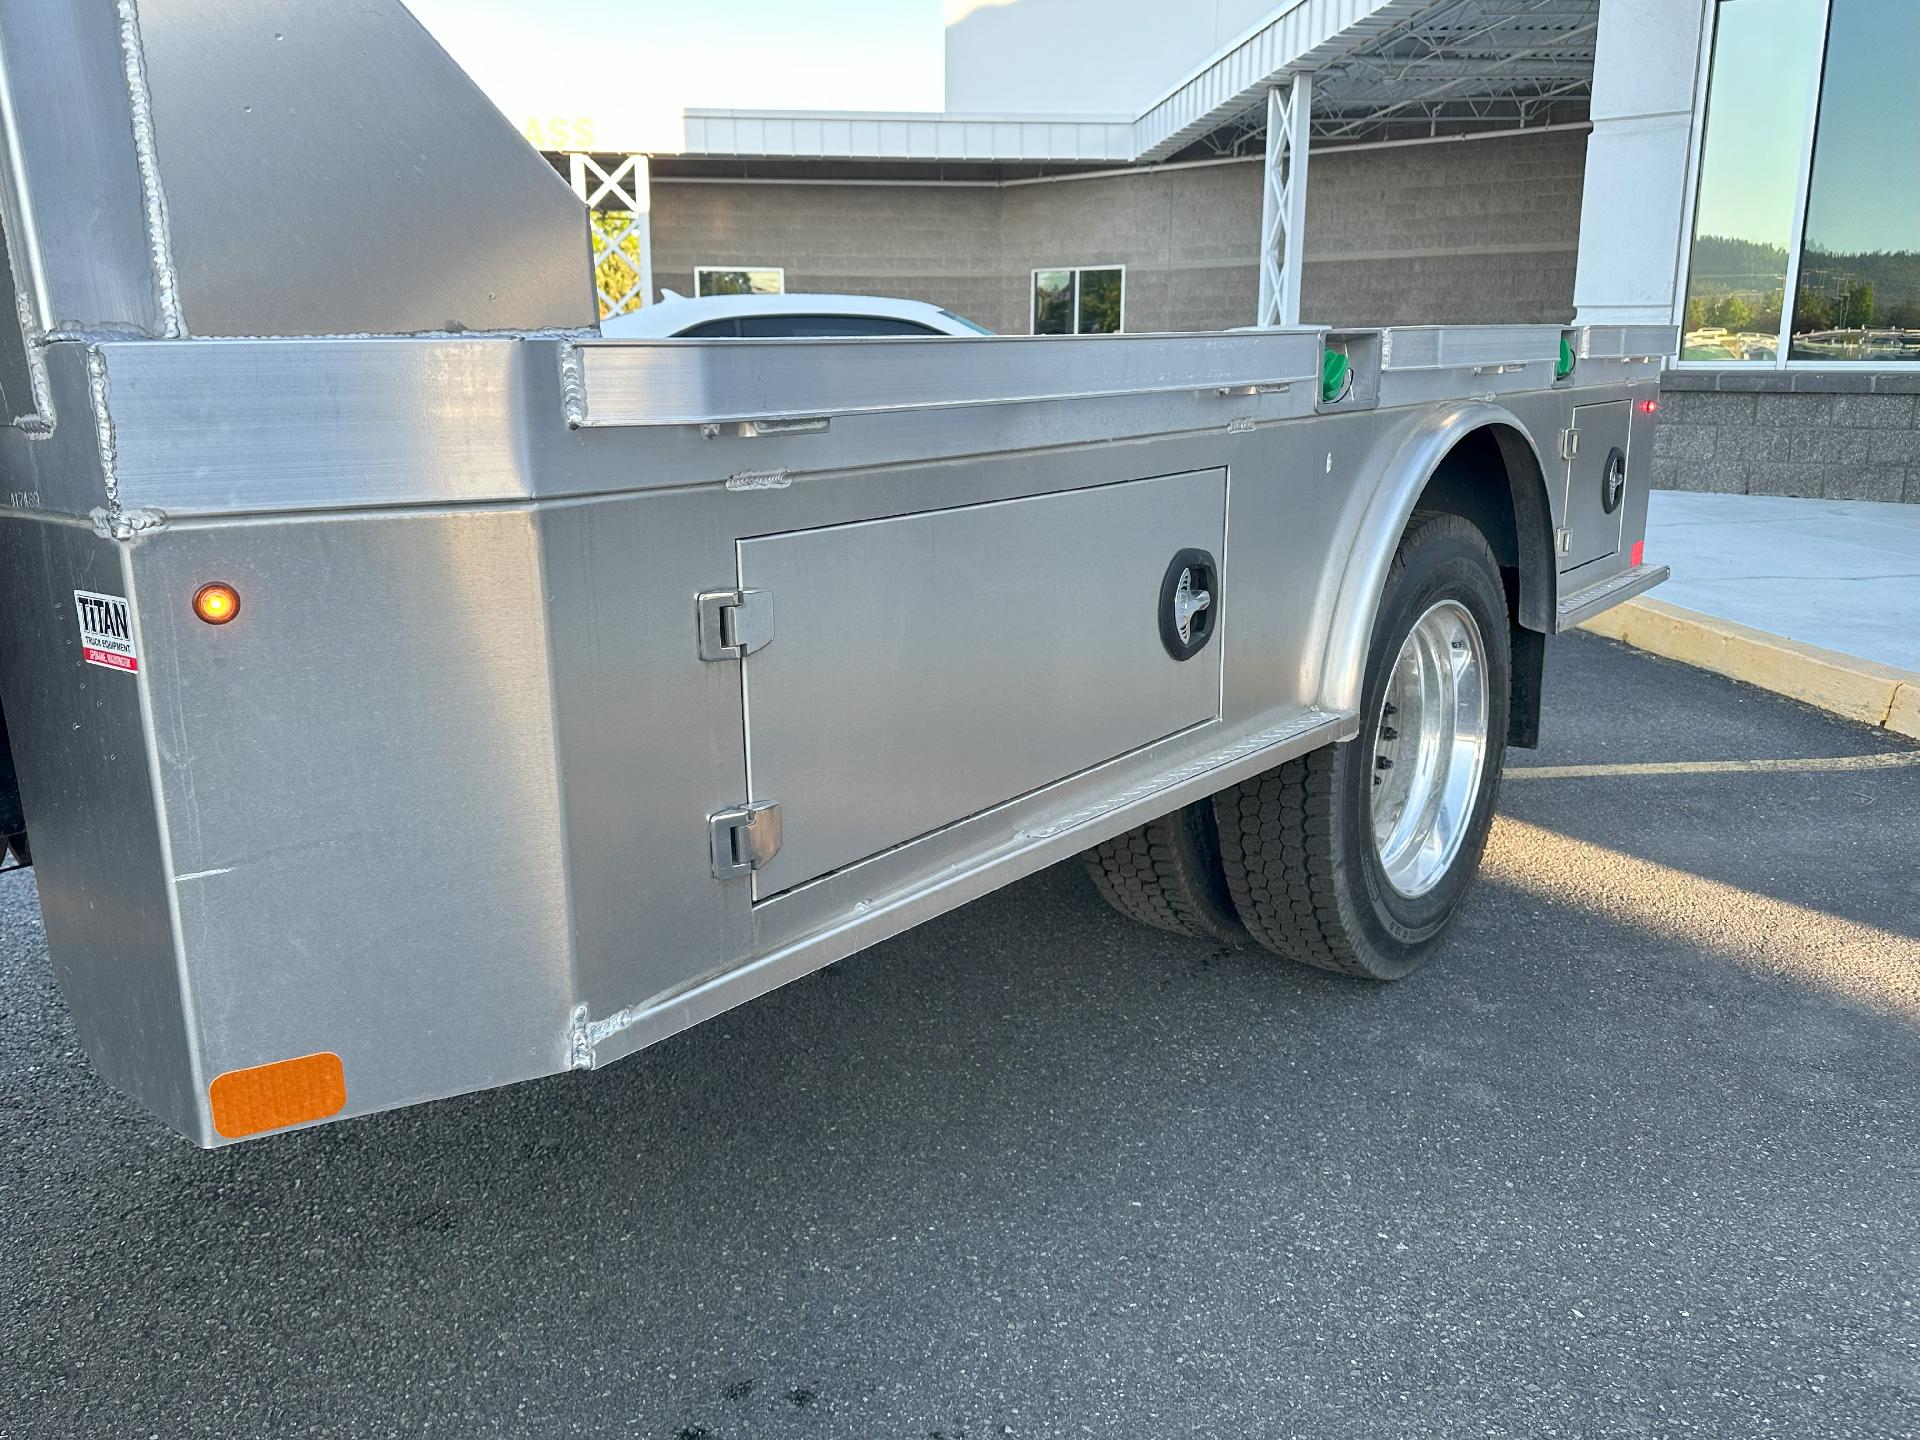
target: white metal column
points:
(622, 199)
(1283, 212)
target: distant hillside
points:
(1888, 281)
(1835, 289)
(1725, 266)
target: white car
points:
(763, 317)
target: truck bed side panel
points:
(80, 742)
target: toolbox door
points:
(1597, 477)
(924, 668)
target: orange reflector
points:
(272, 1097)
(216, 603)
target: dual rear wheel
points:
(1355, 857)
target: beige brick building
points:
(1148, 165)
(1485, 229)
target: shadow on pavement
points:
(1029, 1167)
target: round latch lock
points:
(1613, 480)
(1189, 603)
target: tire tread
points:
(1277, 848)
(1162, 874)
(1280, 843)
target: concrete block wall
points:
(1834, 435)
(920, 242)
(1188, 237)
(1475, 231)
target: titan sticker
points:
(106, 631)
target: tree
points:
(1696, 314)
(1812, 311)
(1733, 312)
(1856, 305)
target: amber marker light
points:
(216, 603)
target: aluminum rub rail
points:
(615, 383)
(720, 382)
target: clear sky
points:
(1866, 169)
(1865, 196)
(630, 66)
(1765, 67)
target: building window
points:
(739, 280)
(1807, 187)
(1766, 63)
(1087, 301)
(1859, 291)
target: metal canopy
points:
(1382, 69)
(1508, 62)
(1451, 67)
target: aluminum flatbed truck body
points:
(578, 690)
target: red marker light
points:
(1649, 407)
(216, 603)
(1638, 553)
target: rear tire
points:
(1167, 874)
(1311, 875)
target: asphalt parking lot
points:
(1639, 1155)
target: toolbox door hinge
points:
(1563, 540)
(744, 838)
(734, 623)
(1569, 443)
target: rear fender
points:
(1403, 477)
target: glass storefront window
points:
(1053, 302)
(1859, 293)
(1766, 62)
(1100, 302)
(1079, 302)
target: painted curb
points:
(1880, 695)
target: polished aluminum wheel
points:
(1430, 747)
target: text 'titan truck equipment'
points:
(412, 692)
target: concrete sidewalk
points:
(1840, 574)
(1815, 599)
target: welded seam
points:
(103, 428)
(761, 480)
(110, 521)
(40, 423)
(125, 524)
(573, 384)
(159, 232)
(588, 1032)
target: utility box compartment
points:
(1597, 478)
(924, 668)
